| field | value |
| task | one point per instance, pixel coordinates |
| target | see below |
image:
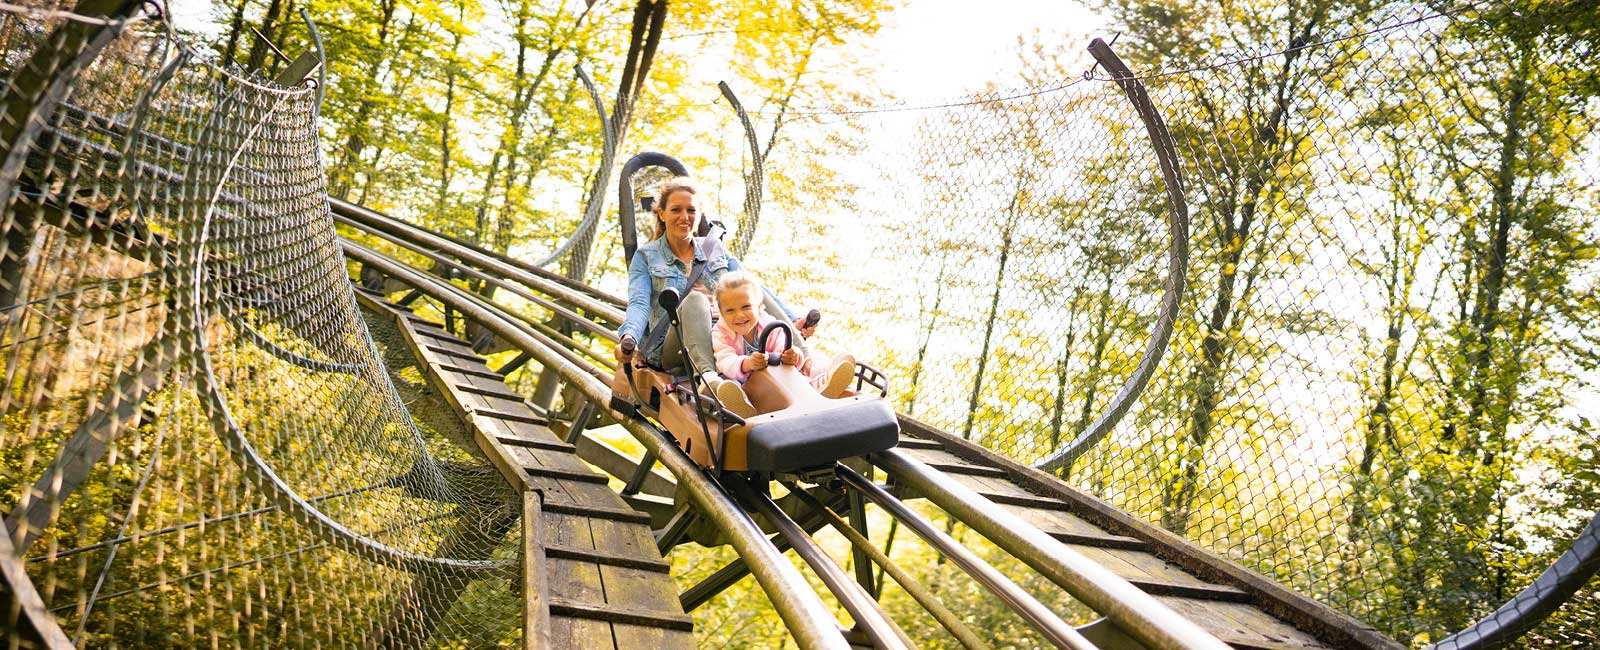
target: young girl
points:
(734, 342)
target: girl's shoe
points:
(834, 381)
(732, 396)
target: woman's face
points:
(681, 214)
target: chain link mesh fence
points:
(201, 444)
(1378, 391)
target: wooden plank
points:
(535, 587)
(652, 638)
(500, 392)
(1243, 626)
(555, 464)
(640, 590)
(967, 469)
(482, 373)
(525, 416)
(623, 539)
(1334, 627)
(627, 515)
(1007, 493)
(908, 442)
(548, 445)
(1067, 528)
(570, 531)
(1198, 591)
(614, 614)
(606, 559)
(565, 474)
(573, 582)
(570, 633)
(443, 336)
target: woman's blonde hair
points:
(668, 188)
(735, 280)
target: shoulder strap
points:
(654, 337)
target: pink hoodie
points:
(730, 349)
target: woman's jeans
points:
(694, 316)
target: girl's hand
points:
(790, 357)
(753, 363)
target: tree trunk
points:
(648, 18)
(988, 332)
(1179, 493)
(235, 30)
(269, 23)
(445, 128)
(927, 335)
(342, 175)
(1491, 286)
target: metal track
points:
(1153, 589)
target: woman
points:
(668, 261)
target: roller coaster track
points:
(1150, 588)
(592, 572)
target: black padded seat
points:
(854, 427)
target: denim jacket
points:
(654, 268)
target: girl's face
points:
(680, 214)
(738, 308)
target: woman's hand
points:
(790, 357)
(800, 326)
(753, 363)
(625, 348)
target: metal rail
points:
(423, 238)
(1057, 631)
(805, 615)
(866, 613)
(1135, 612)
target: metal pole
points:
(883, 632)
(946, 618)
(1136, 612)
(1057, 631)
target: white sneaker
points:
(834, 381)
(732, 396)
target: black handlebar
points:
(669, 299)
(776, 358)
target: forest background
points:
(1380, 389)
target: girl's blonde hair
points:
(735, 280)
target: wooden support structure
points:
(605, 585)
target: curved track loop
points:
(1563, 578)
(278, 491)
(1177, 265)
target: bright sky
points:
(928, 49)
(933, 49)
